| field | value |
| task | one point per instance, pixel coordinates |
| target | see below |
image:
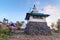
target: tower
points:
(36, 22)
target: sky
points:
(15, 10)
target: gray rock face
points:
(37, 28)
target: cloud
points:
(53, 11)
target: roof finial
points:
(34, 7)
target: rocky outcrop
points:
(37, 28)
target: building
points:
(36, 22)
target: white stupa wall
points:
(24, 25)
(33, 20)
(36, 19)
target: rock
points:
(37, 28)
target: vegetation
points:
(58, 26)
(4, 33)
(18, 24)
(54, 30)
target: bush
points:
(1, 38)
(4, 33)
(5, 30)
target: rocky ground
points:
(34, 37)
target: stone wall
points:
(37, 28)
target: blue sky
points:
(15, 10)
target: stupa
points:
(36, 22)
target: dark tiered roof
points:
(38, 14)
(35, 14)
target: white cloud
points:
(51, 9)
(54, 13)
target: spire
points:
(34, 9)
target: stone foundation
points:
(37, 28)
